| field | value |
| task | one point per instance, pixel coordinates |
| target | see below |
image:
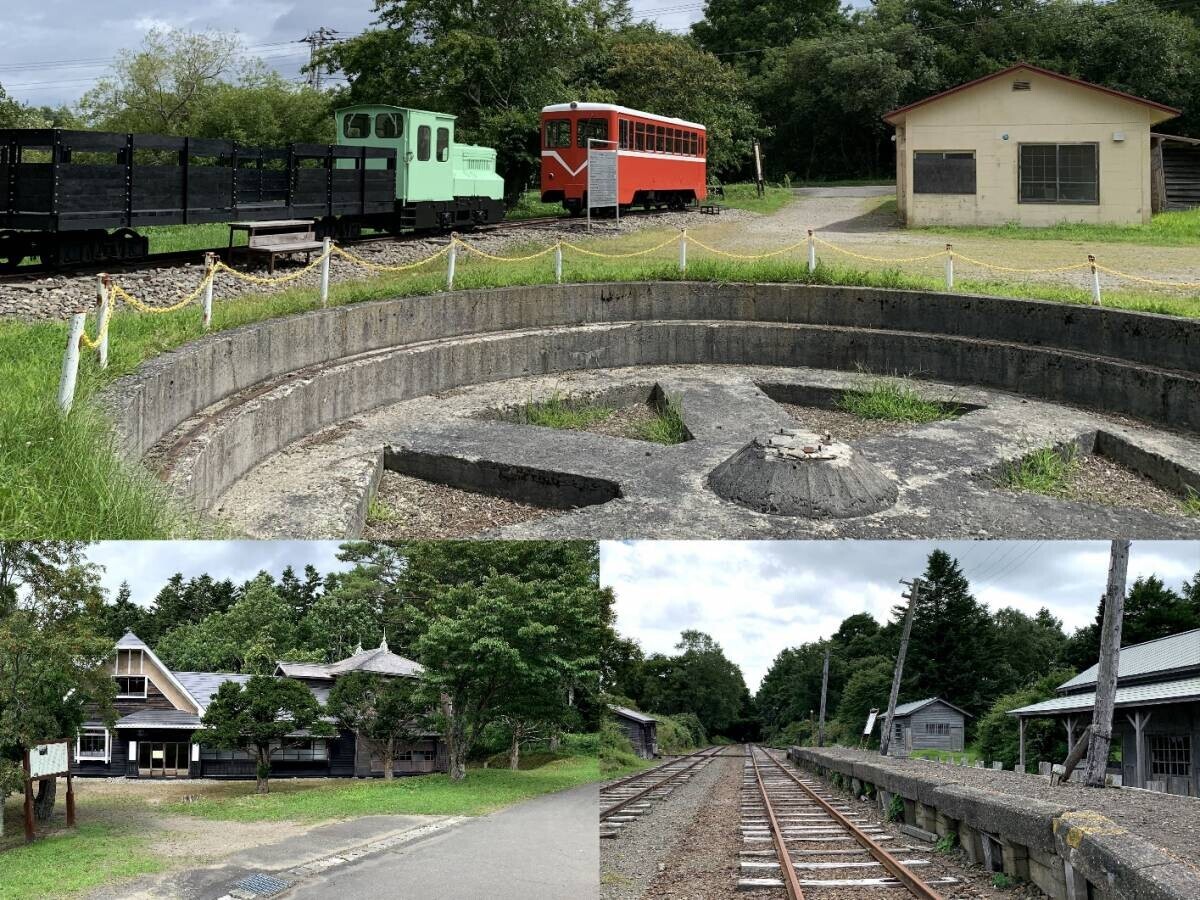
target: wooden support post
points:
(912, 596)
(558, 263)
(70, 786)
(812, 251)
(683, 250)
(824, 694)
(326, 251)
(949, 267)
(28, 801)
(451, 261)
(70, 366)
(1069, 724)
(1078, 749)
(1106, 674)
(1095, 281)
(1139, 720)
(210, 262)
(103, 299)
(1021, 742)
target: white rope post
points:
(325, 254)
(1095, 281)
(70, 367)
(683, 250)
(103, 299)
(451, 261)
(210, 263)
(949, 267)
(558, 263)
(812, 251)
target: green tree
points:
(384, 712)
(1024, 648)
(998, 732)
(1153, 610)
(122, 615)
(866, 689)
(260, 715)
(699, 680)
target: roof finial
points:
(383, 643)
(357, 648)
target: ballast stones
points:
(799, 473)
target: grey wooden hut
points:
(641, 729)
(929, 724)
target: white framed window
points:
(93, 744)
(129, 686)
(130, 662)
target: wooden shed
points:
(1175, 171)
(929, 724)
(641, 729)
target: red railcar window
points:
(660, 139)
(639, 136)
(678, 141)
(586, 129)
(623, 128)
(558, 133)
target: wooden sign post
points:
(44, 761)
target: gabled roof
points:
(159, 718)
(626, 713)
(203, 685)
(1174, 653)
(1079, 82)
(130, 641)
(380, 661)
(907, 709)
(1182, 691)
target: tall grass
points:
(667, 425)
(1047, 470)
(565, 412)
(892, 400)
(1168, 229)
(60, 476)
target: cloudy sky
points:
(756, 598)
(147, 565)
(52, 51)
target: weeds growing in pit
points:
(1191, 503)
(895, 810)
(564, 412)
(1044, 471)
(667, 426)
(946, 842)
(894, 401)
(379, 511)
(1002, 881)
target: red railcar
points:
(661, 161)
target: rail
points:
(700, 756)
(791, 881)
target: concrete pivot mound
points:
(799, 473)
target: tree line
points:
(508, 634)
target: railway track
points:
(799, 839)
(624, 801)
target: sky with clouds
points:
(756, 598)
(52, 51)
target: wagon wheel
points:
(13, 250)
(129, 244)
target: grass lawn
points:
(1169, 229)
(71, 862)
(530, 206)
(745, 196)
(59, 476)
(483, 791)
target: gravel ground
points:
(56, 297)
(842, 425)
(631, 861)
(419, 509)
(625, 421)
(1168, 821)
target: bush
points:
(998, 735)
(691, 722)
(675, 737)
(587, 744)
(616, 752)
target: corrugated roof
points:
(381, 661)
(130, 641)
(1169, 654)
(907, 709)
(204, 685)
(633, 714)
(159, 718)
(1179, 691)
(303, 670)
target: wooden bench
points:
(276, 237)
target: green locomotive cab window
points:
(423, 143)
(357, 125)
(558, 133)
(388, 125)
(443, 144)
(590, 128)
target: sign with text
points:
(602, 177)
(46, 760)
(874, 714)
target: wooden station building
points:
(160, 710)
(929, 724)
(641, 729)
(1156, 716)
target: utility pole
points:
(916, 586)
(317, 41)
(824, 692)
(1110, 658)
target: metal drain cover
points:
(261, 885)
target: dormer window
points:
(129, 686)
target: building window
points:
(357, 126)
(92, 743)
(418, 755)
(129, 662)
(587, 129)
(944, 172)
(443, 144)
(388, 125)
(1060, 173)
(937, 728)
(558, 133)
(213, 753)
(130, 686)
(1170, 754)
(423, 134)
(313, 750)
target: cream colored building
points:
(1025, 145)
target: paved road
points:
(545, 849)
(849, 190)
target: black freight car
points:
(62, 191)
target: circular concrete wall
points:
(220, 405)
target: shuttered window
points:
(944, 172)
(1060, 173)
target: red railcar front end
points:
(661, 161)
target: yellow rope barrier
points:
(879, 259)
(789, 248)
(667, 242)
(487, 255)
(377, 267)
(981, 264)
(118, 291)
(101, 331)
(279, 279)
(1174, 284)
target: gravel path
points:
(842, 425)
(58, 296)
(417, 509)
(1166, 820)
(631, 861)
